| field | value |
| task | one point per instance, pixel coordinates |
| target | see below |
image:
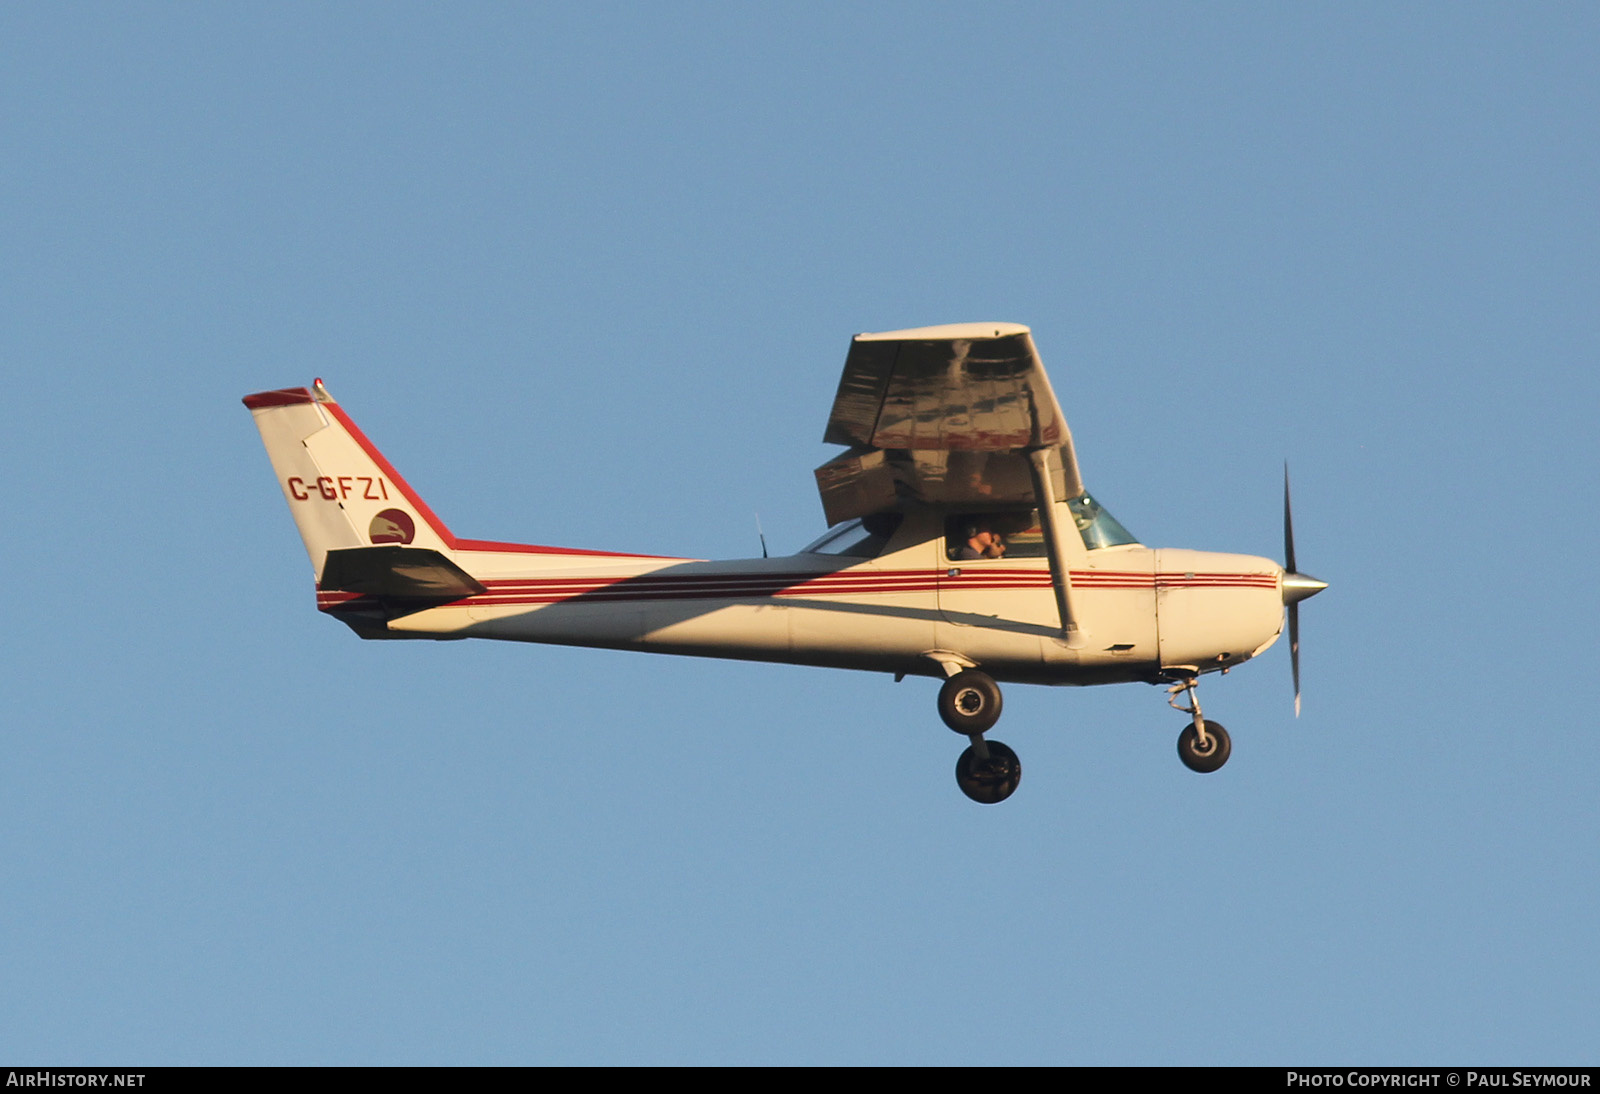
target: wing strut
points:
(1044, 494)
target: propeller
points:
(1296, 587)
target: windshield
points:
(1098, 527)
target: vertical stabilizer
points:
(341, 491)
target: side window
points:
(864, 538)
(1004, 534)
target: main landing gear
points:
(987, 772)
(1203, 745)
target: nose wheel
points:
(1208, 755)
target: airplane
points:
(962, 545)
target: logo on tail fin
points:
(392, 526)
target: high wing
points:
(944, 416)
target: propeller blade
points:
(1294, 653)
(1296, 587)
(1288, 526)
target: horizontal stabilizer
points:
(401, 573)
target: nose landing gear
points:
(1203, 745)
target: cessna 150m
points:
(962, 544)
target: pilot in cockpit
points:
(982, 542)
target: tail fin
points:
(341, 492)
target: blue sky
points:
(588, 275)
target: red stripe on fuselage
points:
(755, 586)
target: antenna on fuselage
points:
(762, 535)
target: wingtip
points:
(974, 331)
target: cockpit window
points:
(1097, 527)
(863, 538)
(1016, 533)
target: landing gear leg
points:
(969, 702)
(1202, 746)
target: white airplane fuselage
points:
(908, 611)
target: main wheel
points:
(990, 781)
(1207, 759)
(969, 702)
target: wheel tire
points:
(991, 781)
(969, 702)
(1211, 759)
